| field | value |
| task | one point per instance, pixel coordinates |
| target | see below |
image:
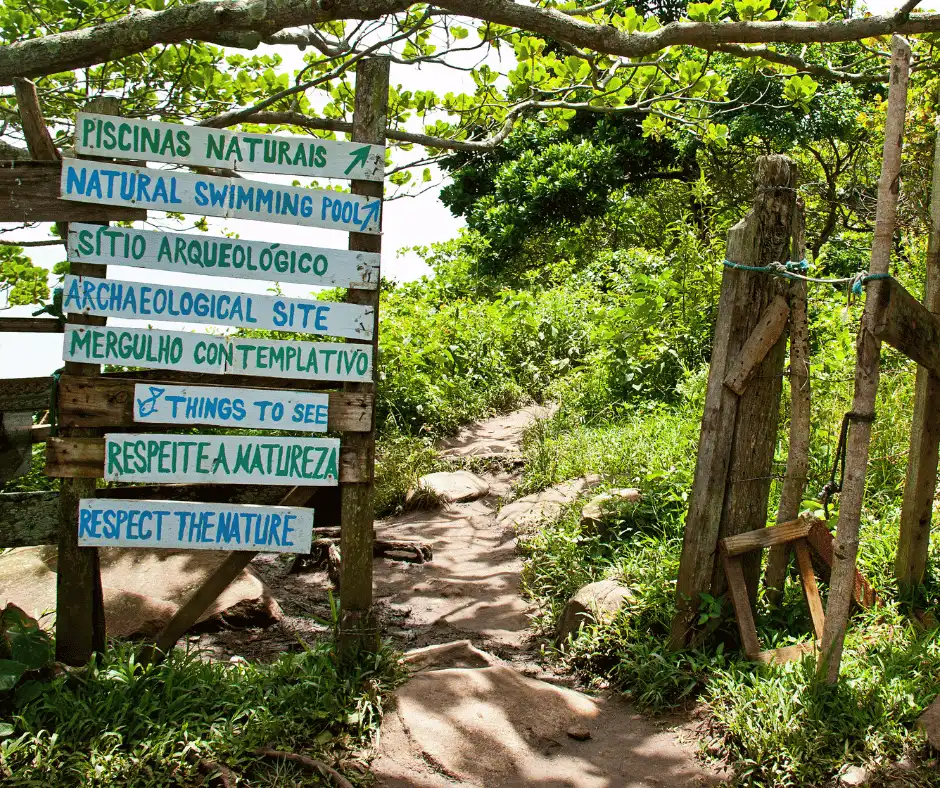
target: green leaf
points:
(10, 673)
(6, 729)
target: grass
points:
(773, 724)
(120, 723)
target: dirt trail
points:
(465, 719)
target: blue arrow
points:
(371, 214)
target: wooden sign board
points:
(178, 304)
(200, 146)
(233, 257)
(209, 195)
(29, 192)
(242, 408)
(222, 459)
(119, 522)
(181, 350)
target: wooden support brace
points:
(768, 330)
(734, 570)
(820, 539)
(781, 534)
(31, 325)
(904, 323)
(810, 589)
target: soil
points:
(471, 590)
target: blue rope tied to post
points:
(789, 271)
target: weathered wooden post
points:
(921, 484)
(739, 425)
(867, 371)
(357, 626)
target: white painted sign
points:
(209, 195)
(146, 140)
(104, 522)
(151, 349)
(201, 254)
(231, 407)
(177, 304)
(222, 459)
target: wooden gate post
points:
(867, 372)
(739, 425)
(357, 625)
(920, 486)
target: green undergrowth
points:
(120, 723)
(773, 724)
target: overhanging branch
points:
(247, 23)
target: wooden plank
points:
(737, 587)
(904, 323)
(780, 656)
(202, 146)
(204, 379)
(211, 195)
(182, 525)
(83, 458)
(823, 545)
(810, 589)
(191, 352)
(766, 537)
(189, 304)
(232, 257)
(29, 192)
(920, 486)
(26, 393)
(731, 484)
(867, 372)
(758, 344)
(28, 519)
(31, 325)
(40, 433)
(38, 139)
(109, 402)
(357, 624)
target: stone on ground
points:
(495, 727)
(853, 776)
(532, 511)
(929, 722)
(600, 507)
(451, 487)
(142, 589)
(457, 654)
(595, 602)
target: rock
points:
(853, 776)
(929, 723)
(142, 589)
(458, 654)
(532, 511)
(599, 601)
(600, 507)
(578, 733)
(450, 487)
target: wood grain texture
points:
(784, 533)
(31, 325)
(867, 373)
(810, 589)
(729, 494)
(780, 656)
(910, 564)
(357, 625)
(109, 402)
(207, 379)
(83, 458)
(26, 393)
(38, 139)
(737, 588)
(29, 192)
(764, 336)
(823, 545)
(904, 323)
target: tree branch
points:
(785, 59)
(247, 23)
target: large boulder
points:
(142, 589)
(449, 487)
(595, 602)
